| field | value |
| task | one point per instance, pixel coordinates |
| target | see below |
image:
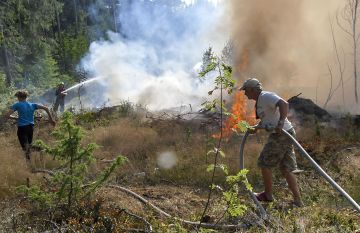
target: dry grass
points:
(121, 137)
(13, 168)
(124, 137)
(142, 143)
(160, 195)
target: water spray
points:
(81, 84)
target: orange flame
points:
(239, 113)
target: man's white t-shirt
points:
(268, 112)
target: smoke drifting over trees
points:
(150, 51)
(152, 59)
(289, 46)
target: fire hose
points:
(263, 213)
(308, 157)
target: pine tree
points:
(70, 183)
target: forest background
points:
(43, 41)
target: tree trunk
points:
(6, 60)
(113, 5)
(355, 75)
(7, 66)
(354, 34)
(76, 17)
(58, 22)
(19, 16)
(62, 61)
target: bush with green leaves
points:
(126, 108)
(71, 182)
(213, 64)
(230, 196)
(88, 119)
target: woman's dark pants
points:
(25, 136)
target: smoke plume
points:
(153, 59)
(290, 47)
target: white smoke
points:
(154, 57)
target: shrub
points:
(70, 183)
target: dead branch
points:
(62, 228)
(54, 224)
(132, 230)
(341, 68)
(107, 160)
(147, 224)
(331, 87)
(167, 116)
(179, 115)
(350, 15)
(43, 171)
(161, 212)
(295, 96)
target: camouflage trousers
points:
(278, 151)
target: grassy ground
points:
(167, 165)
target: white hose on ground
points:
(307, 156)
(322, 172)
